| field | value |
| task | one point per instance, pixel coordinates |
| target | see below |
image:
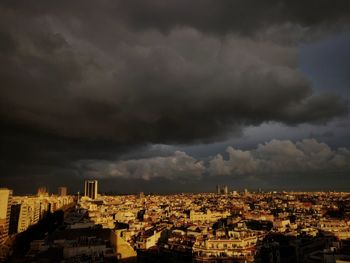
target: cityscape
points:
(222, 226)
(170, 131)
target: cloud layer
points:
(277, 158)
(176, 166)
(89, 80)
(281, 157)
(147, 86)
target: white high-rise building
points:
(218, 189)
(30, 212)
(62, 191)
(91, 187)
(5, 212)
(225, 190)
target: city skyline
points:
(175, 96)
(224, 225)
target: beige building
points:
(124, 251)
(91, 189)
(34, 208)
(338, 228)
(5, 211)
(208, 216)
(235, 246)
(62, 191)
(149, 238)
(30, 213)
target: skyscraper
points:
(91, 187)
(225, 190)
(218, 190)
(5, 211)
(42, 191)
(62, 191)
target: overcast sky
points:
(175, 96)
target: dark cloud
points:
(179, 165)
(89, 81)
(240, 16)
(282, 158)
(153, 92)
(226, 16)
(278, 161)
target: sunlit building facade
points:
(62, 191)
(91, 188)
(5, 211)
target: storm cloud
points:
(280, 158)
(210, 16)
(276, 159)
(179, 165)
(87, 80)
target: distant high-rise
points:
(62, 191)
(42, 191)
(221, 189)
(218, 189)
(91, 187)
(225, 190)
(5, 212)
